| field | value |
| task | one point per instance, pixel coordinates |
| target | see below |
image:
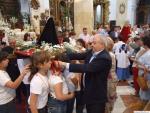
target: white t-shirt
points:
(39, 85)
(68, 76)
(122, 60)
(117, 46)
(86, 38)
(72, 41)
(21, 63)
(54, 80)
(6, 94)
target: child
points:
(39, 87)
(123, 63)
(7, 86)
(59, 92)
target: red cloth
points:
(135, 76)
(125, 33)
(25, 53)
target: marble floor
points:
(119, 106)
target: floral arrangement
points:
(10, 33)
(69, 48)
(24, 45)
(55, 50)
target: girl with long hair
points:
(39, 86)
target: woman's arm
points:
(58, 88)
(16, 83)
(33, 103)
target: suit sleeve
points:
(78, 56)
(93, 67)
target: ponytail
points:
(34, 70)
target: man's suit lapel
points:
(88, 58)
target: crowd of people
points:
(89, 76)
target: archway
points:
(101, 8)
(98, 15)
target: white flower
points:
(27, 43)
(13, 20)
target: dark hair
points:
(26, 35)
(3, 43)
(62, 57)
(84, 28)
(72, 33)
(81, 41)
(146, 41)
(36, 59)
(3, 55)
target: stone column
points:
(112, 9)
(84, 15)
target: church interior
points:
(33, 25)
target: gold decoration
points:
(106, 12)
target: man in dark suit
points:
(95, 72)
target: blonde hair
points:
(38, 58)
(110, 44)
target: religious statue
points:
(36, 24)
(35, 4)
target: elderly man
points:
(95, 72)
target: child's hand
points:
(72, 94)
(75, 81)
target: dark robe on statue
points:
(125, 33)
(49, 33)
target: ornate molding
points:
(122, 8)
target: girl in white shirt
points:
(39, 87)
(59, 91)
(7, 86)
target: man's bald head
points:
(99, 43)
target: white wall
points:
(112, 10)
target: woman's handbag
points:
(142, 83)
